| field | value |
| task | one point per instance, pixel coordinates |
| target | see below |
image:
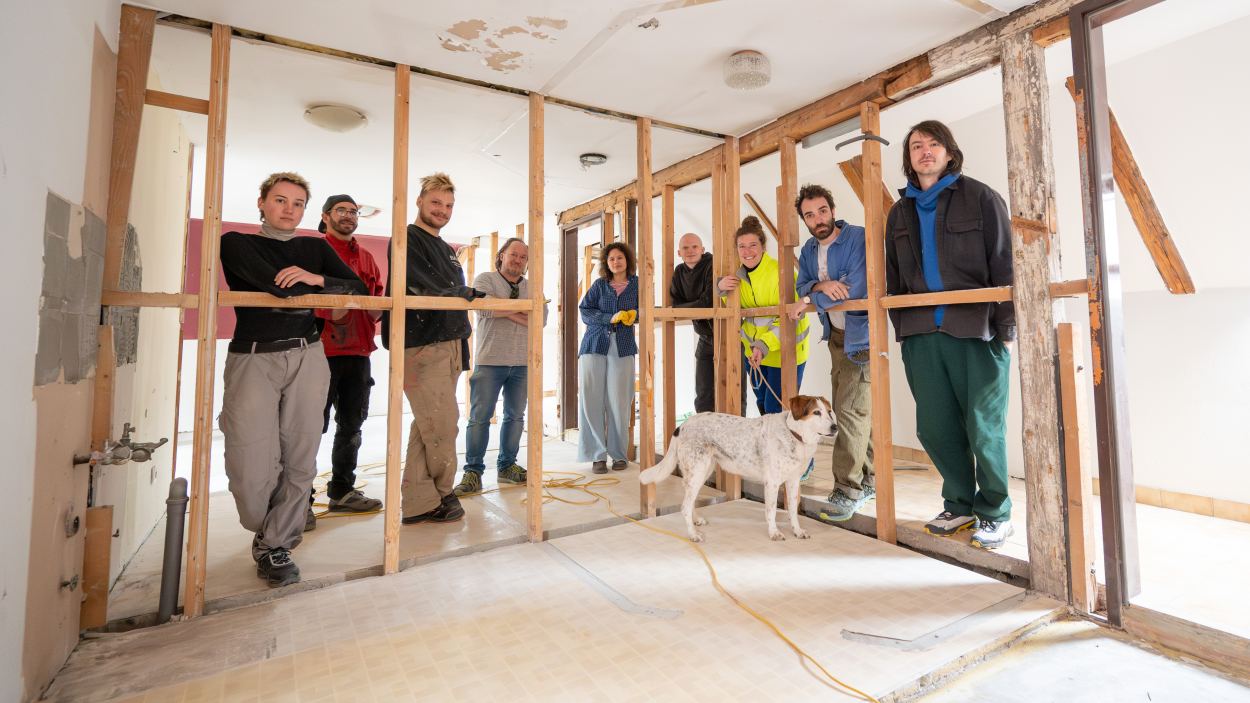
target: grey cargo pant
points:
(271, 417)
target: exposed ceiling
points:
(594, 53)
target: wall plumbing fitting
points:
(121, 451)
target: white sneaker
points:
(948, 523)
(992, 534)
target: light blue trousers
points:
(606, 387)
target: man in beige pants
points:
(436, 350)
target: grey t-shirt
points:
(501, 341)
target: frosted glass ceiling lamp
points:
(336, 118)
(747, 70)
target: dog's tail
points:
(667, 465)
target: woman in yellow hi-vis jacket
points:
(757, 283)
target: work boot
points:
(991, 534)
(355, 502)
(948, 523)
(277, 567)
(512, 474)
(449, 510)
(310, 520)
(599, 467)
(469, 484)
(619, 465)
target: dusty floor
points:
(618, 614)
(351, 546)
(1079, 662)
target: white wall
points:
(43, 143)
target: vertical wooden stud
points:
(134, 54)
(534, 482)
(646, 317)
(398, 317)
(1035, 263)
(787, 237)
(1079, 492)
(95, 568)
(878, 331)
(730, 217)
(206, 366)
(669, 342)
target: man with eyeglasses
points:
(502, 364)
(348, 339)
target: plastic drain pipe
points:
(171, 569)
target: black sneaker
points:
(276, 566)
(310, 520)
(619, 465)
(449, 510)
(599, 467)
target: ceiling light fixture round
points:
(592, 159)
(747, 70)
(336, 118)
(368, 210)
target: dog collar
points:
(797, 438)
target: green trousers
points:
(961, 389)
(852, 406)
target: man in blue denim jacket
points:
(831, 269)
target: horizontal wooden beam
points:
(157, 98)
(970, 53)
(263, 38)
(142, 299)
(1052, 32)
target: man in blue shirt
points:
(832, 269)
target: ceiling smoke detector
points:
(592, 159)
(336, 118)
(747, 70)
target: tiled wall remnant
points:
(69, 308)
(125, 321)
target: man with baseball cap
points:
(348, 339)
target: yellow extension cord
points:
(573, 481)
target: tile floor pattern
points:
(517, 624)
(344, 544)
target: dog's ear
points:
(801, 406)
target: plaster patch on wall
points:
(547, 22)
(499, 50)
(468, 29)
(69, 305)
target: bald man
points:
(692, 288)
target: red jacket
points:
(353, 334)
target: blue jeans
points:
(764, 399)
(484, 387)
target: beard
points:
(426, 220)
(819, 234)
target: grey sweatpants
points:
(606, 388)
(271, 417)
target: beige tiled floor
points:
(351, 545)
(632, 617)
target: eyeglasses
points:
(344, 212)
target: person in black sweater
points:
(436, 350)
(691, 287)
(276, 374)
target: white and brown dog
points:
(773, 450)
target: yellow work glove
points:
(629, 317)
(617, 317)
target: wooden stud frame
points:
(135, 52)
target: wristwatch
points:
(807, 300)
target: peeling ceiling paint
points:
(471, 35)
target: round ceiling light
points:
(592, 159)
(747, 70)
(336, 118)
